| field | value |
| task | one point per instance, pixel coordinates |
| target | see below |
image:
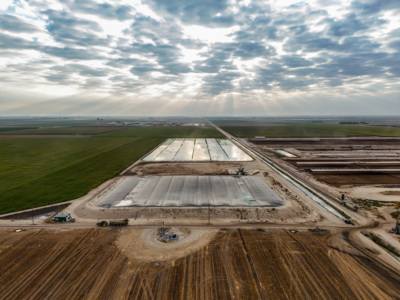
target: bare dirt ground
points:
(144, 245)
(359, 179)
(336, 142)
(203, 168)
(375, 192)
(391, 193)
(234, 264)
(382, 187)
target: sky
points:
(199, 58)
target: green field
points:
(76, 130)
(168, 131)
(301, 129)
(41, 171)
(3, 130)
(46, 122)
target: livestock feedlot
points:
(250, 222)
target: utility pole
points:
(209, 213)
(33, 222)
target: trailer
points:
(119, 223)
(113, 223)
(62, 217)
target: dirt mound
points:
(144, 245)
(391, 193)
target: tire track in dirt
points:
(236, 264)
(114, 282)
(261, 294)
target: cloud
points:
(142, 67)
(70, 53)
(219, 83)
(395, 45)
(166, 56)
(15, 24)
(201, 50)
(210, 12)
(69, 30)
(373, 7)
(11, 42)
(347, 26)
(104, 10)
(296, 61)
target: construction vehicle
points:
(113, 223)
(241, 171)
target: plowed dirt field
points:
(236, 264)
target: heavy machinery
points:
(241, 171)
(113, 223)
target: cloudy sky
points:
(191, 57)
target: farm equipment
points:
(119, 223)
(102, 224)
(113, 223)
